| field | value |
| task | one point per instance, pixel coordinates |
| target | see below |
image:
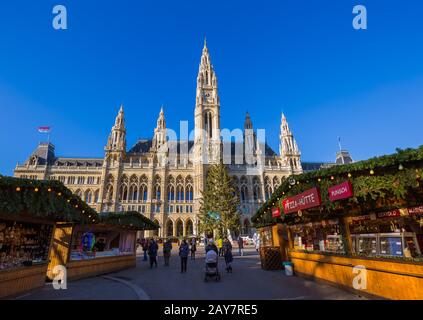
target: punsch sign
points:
(305, 200)
(276, 212)
(341, 191)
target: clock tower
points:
(207, 113)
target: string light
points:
(349, 175)
(18, 189)
(59, 194)
(36, 189)
(319, 180)
(372, 172)
(49, 190)
(68, 200)
(400, 167)
(332, 178)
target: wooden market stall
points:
(359, 225)
(104, 247)
(29, 211)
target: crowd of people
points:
(222, 247)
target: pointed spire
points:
(117, 137)
(248, 124)
(160, 131)
(205, 42)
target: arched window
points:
(144, 192)
(96, 196)
(179, 228)
(157, 192)
(88, 196)
(123, 193)
(179, 193)
(133, 193)
(171, 194)
(244, 193)
(189, 228)
(189, 194)
(78, 193)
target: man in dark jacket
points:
(152, 253)
(183, 253)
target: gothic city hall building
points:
(163, 178)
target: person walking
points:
(167, 251)
(152, 253)
(220, 246)
(145, 248)
(193, 248)
(183, 253)
(241, 246)
(212, 246)
(228, 258)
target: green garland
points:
(43, 199)
(380, 184)
(128, 219)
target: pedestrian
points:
(152, 253)
(183, 253)
(226, 245)
(145, 248)
(193, 248)
(167, 251)
(228, 258)
(212, 246)
(241, 246)
(220, 246)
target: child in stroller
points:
(212, 270)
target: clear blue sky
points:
(299, 56)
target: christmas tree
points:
(219, 203)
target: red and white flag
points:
(44, 129)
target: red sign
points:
(389, 214)
(276, 212)
(305, 200)
(415, 211)
(341, 191)
(361, 218)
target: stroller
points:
(211, 270)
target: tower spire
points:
(159, 138)
(117, 137)
(288, 148)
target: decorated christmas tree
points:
(219, 203)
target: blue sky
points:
(301, 57)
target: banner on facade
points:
(276, 212)
(341, 191)
(305, 200)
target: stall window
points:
(23, 243)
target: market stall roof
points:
(49, 200)
(128, 219)
(380, 184)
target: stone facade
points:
(162, 181)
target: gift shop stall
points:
(29, 212)
(359, 226)
(107, 246)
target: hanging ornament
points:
(291, 181)
(372, 172)
(400, 167)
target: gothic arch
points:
(169, 227)
(189, 227)
(88, 196)
(179, 228)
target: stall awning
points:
(48, 200)
(127, 219)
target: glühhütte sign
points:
(307, 199)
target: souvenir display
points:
(23, 244)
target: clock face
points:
(207, 96)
